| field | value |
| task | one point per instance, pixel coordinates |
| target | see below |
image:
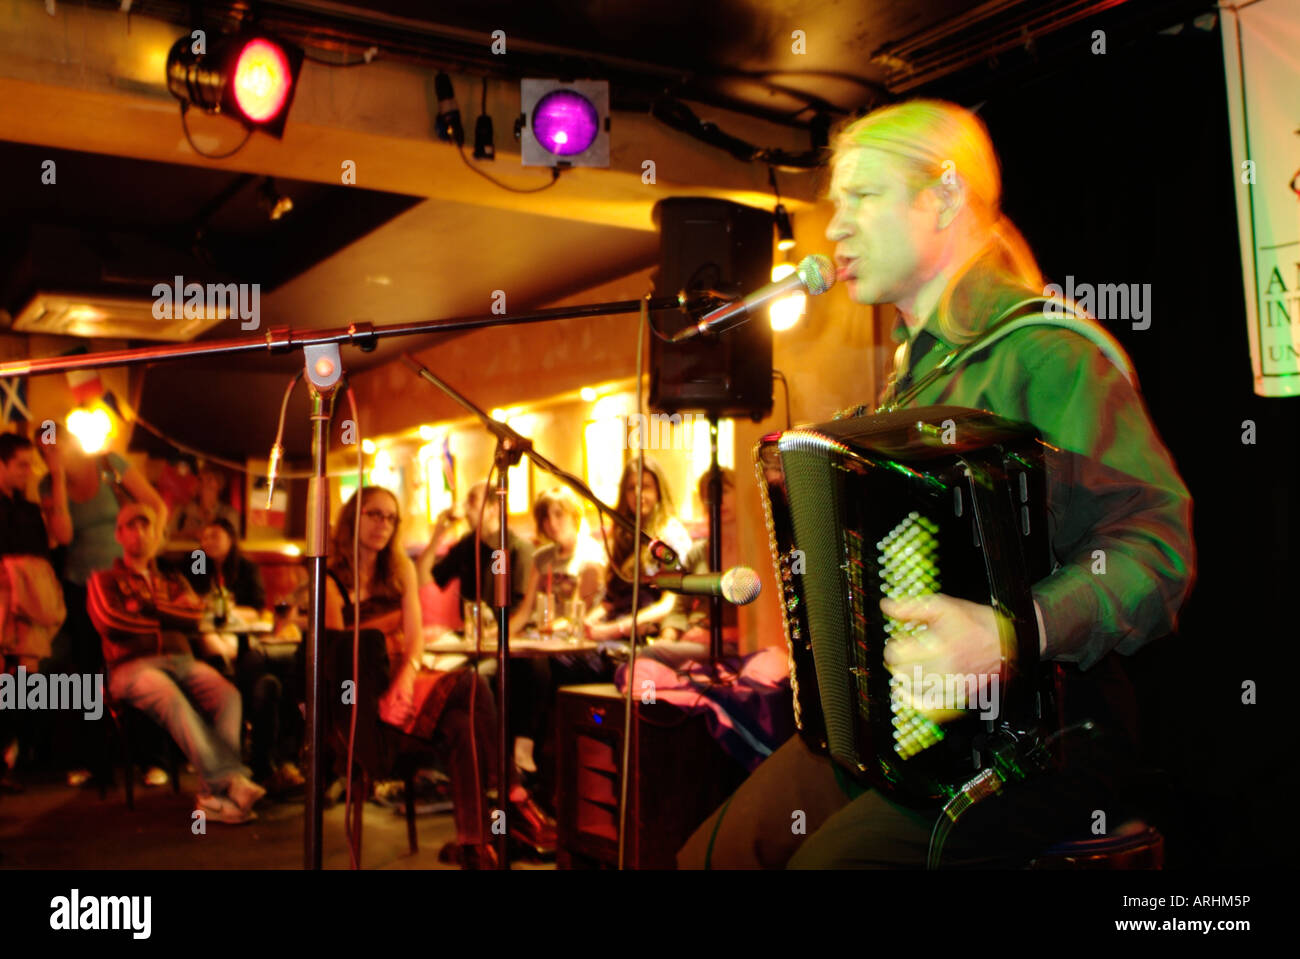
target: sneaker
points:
(286, 778)
(524, 760)
(156, 776)
(391, 793)
(221, 809)
(244, 792)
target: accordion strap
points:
(1076, 321)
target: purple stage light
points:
(565, 122)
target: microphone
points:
(738, 585)
(272, 471)
(814, 275)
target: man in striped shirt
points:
(145, 617)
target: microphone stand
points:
(507, 454)
(511, 447)
(324, 371)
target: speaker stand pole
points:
(715, 547)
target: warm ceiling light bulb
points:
(368, 447)
(588, 394)
(786, 311)
(92, 429)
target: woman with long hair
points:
(612, 619)
(227, 570)
(425, 704)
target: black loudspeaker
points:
(678, 776)
(721, 246)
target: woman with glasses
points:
(426, 704)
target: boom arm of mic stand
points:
(514, 440)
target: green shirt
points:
(94, 543)
(1119, 513)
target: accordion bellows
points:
(906, 504)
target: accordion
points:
(904, 504)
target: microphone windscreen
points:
(740, 585)
(817, 273)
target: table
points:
(527, 645)
(241, 628)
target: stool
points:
(1135, 845)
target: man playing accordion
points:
(917, 191)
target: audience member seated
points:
(441, 605)
(265, 674)
(228, 574)
(566, 579)
(685, 633)
(81, 496)
(458, 563)
(569, 566)
(612, 619)
(191, 517)
(143, 617)
(427, 704)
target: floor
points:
(53, 826)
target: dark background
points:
(1118, 168)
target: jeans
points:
(162, 687)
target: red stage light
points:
(250, 77)
(262, 80)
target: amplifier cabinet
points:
(678, 776)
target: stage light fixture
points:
(251, 77)
(275, 203)
(448, 119)
(564, 123)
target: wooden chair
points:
(380, 752)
